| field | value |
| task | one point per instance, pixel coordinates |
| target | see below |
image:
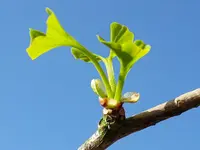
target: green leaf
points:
(98, 88)
(129, 52)
(55, 36)
(120, 33)
(130, 97)
(78, 54)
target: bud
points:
(130, 97)
(103, 101)
(98, 88)
(113, 104)
(110, 103)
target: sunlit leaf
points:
(129, 52)
(120, 33)
(55, 37)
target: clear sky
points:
(47, 104)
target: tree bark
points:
(102, 139)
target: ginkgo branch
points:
(150, 117)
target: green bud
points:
(98, 88)
(130, 97)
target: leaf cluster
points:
(122, 45)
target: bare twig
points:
(100, 140)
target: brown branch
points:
(100, 140)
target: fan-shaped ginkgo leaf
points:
(55, 37)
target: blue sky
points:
(47, 104)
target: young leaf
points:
(129, 52)
(78, 54)
(98, 87)
(55, 37)
(120, 33)
(130, 97)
